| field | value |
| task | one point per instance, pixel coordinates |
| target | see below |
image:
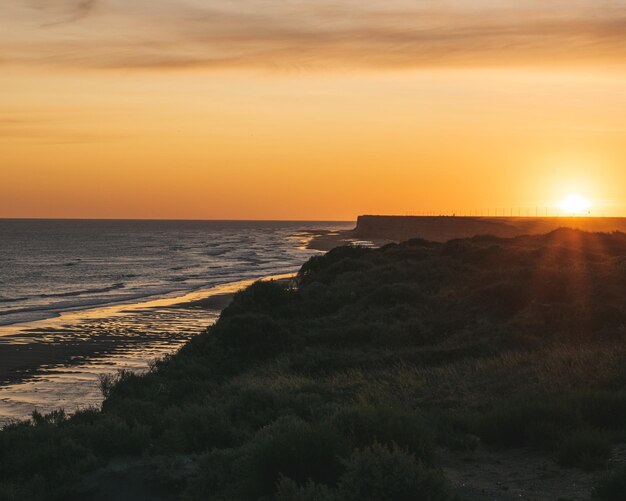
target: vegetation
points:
(611, 486)
(352, 383)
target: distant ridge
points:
(444, 228)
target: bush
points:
(611, 486)
(111, 436)
(603, 409)
(12, 492)
(327, 268)
(379, 472)
(296, 450)
(195, 428)
(366, 425)
(521, 423)
(288, 490)
(256, 408)
(266, 296)
(394, 294)
(220, 475)
(251, 337)
(588, 449)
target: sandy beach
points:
(56, 362)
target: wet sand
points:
(57, 362)
(325, 240)
(216, 302)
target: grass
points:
(349, 385)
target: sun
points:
(575, 205)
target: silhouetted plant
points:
(297, 450)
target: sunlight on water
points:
(100, 341)
(83, 298)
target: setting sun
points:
(575, 205)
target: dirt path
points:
(518, 474)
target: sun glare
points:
(575, 205)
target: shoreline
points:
(320, 240)
(212, 299)
(325, 241)
(56, 362)
(153, 297)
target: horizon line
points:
(465, 216)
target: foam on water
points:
(47, 267)
(101, 293)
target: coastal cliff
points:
(444, 228)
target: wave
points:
(113, 287)
(140, 259)
(12, 299)
(41, 311)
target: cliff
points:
(444, 228)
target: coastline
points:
(46, 273)
(329, 239)
(280, 384)
(56, 362)
(54, 358)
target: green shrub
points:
(587, 448)
(379, 472)
(389, 295)
(111, 436)
(268, 296)
(256, 408)
(366, 425)
(10, 491)
(519, 423)
(288, 490)
(611, 486)
(251, 337)
(220, 475)
(603, 409)
(327, 268)
(297, 450)
(195, 428)
(44, 450)
(320, 299)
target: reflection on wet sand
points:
(56, 363)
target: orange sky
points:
(309, 109)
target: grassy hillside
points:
(357, 383)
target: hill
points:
(474, 369)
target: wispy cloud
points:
(71, 11)
(311, 33)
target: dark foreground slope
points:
(365, 382)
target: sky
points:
(310, 109)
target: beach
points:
(57, 341)
(58, 362)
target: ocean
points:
(81, 298)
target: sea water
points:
(81, 298)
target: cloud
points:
(74, 11)
(316, 33)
